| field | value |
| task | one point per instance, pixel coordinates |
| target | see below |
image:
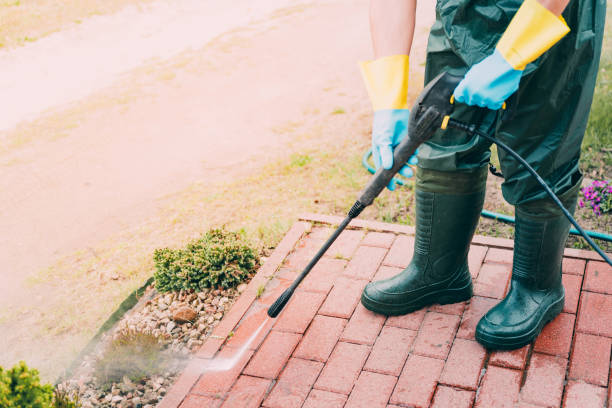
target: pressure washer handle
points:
(419, 132)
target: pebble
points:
(182, 339)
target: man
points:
(542, 57)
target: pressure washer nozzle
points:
(278, 305)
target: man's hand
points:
(489, 83)
(389, 128)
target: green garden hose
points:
(485, 213)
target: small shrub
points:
(133, 354)
(21, 387)
(219, 259)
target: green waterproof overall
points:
(550, 108)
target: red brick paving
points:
(590, 360)
(510, 358)
(321, 278)
(418, 381)
(294, 384)
(572, 284)
(343, 298)
(276, 349)
(580, 395)
(436, 335)
(363, 327)
(573, 266)
(595, 314)
(544, 383)
(343, 368)
(500, 388)
(247, 392)
(365, 262)
(324, 399)
(492, 280)
(464, 364)
(326, 350)
(598, 277)
(299, 312)
(372, 390)
(378, 239)
(447, 397)
(390, 350)
(556, 337)
(321, 338)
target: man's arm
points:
(392, 26)
(555, 6)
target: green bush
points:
(20, 387)
(219, 259)
(132, 354)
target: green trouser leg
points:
(448, 206)
(536, 293)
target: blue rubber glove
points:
(489, 83)
(389, 128)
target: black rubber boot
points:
(448, 206)
(536, 293)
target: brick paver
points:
(446, 397)
(321, 338)
(411, 321)
(327, 350)
(544, 383)
(476, 257)
(378, 239)
(343, 368)
(464, 364)
(417, 382)
(372, 390)
(492, 280)
(510, 358)
(500, 388)
(581, 395)
(363, 327)
(590, 360)
(400, 252)
(390, 350)
(598, 277)
(273, 354)
(294, 384)
(556, 337)
(365, 262)
(343, 297)
(247, 392)
(595, 314)
(572, 284)
(573, 266)
(436, 335)
(324, 399)
(299, 312)
(322, 277)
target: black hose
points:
(471, 129)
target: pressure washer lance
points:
(430, 112)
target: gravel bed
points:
(183, 320)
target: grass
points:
(597, 145)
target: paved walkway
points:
(326, 350)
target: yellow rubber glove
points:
(532, 31)
(386, 80)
